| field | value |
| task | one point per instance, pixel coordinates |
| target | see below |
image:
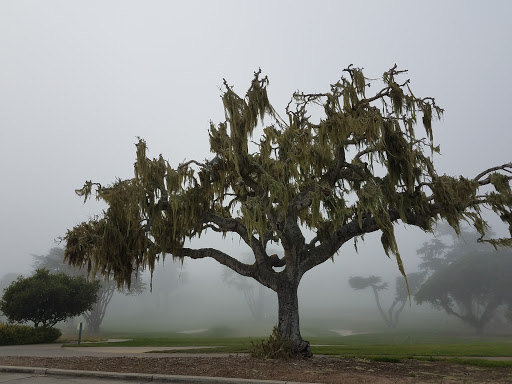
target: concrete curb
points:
(177, 379)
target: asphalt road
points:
(18, 375)
(55, 376)
(35, 378)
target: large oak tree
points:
(310, 185)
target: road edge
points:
(177, 379)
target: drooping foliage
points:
(360, 166)
(324, 173)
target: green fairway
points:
(410, 350)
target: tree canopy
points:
(46, 299)
(308, 185)
(54, 262)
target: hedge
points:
(22, 334)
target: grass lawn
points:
(386, 346)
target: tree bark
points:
(288, 325)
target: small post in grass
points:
(80, 326)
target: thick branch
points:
(219, 256)
(300, 202)
(292, 240)
(276, 261)
(327, 249)
(234, 225)
(332, 175)
(229, 225)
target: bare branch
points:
(186, 164)
(505, 167)
(382, 93)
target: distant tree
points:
(254, 294)
(46, 298)
(308, 185)
(448, 246)
(375, 283)
(401, 293)
(165, 285)
(469, 281)
(54, 262)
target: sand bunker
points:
(345, 332)
(194, 331)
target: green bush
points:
(23, 334)
(46, 298)
(219, 331)
(275, 347)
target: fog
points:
(81, 80)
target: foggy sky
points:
(81, 80)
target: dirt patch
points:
(319, 369)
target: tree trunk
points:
(379, 307)
(93, 320)
(397, 313)
(95, 317)
(289, 318)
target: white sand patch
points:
(194, 331)
(345, 332)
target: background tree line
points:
(467, 279)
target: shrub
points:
(219, 331)
(275, 347)
(22, 334)
(46, 299)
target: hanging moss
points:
(453, 196)
(501, 183)
(359, 81)
(359, 160)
